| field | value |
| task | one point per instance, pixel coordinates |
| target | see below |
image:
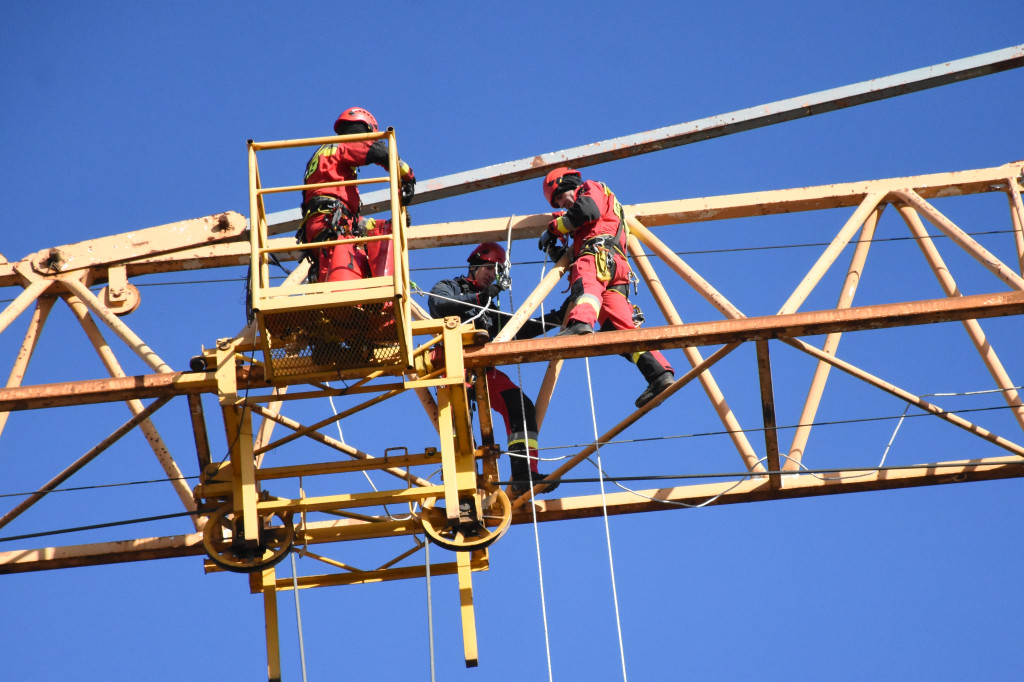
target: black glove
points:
(408, 189)
(491, 292)
(359, 228)
(553, 319)
(546, 241)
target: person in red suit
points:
(474, 296)
(332, 213)
(599, 279)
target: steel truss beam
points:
(218, 241)
(910, 194)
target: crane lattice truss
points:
(230, 370)
(244, 509)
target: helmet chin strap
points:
(471, 279)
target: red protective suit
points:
(510, 402)
(331, 163)
(599, 277)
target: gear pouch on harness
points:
(604, 258)
(603, 248)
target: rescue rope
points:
(533, 507)
(295, 588)
(366, 474)
(481, 308)
(607, 528)
(298, 617)
(430, 606)
(899, 423)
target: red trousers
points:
(595, 301)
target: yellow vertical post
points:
(255, 223)
(466, 607)
(238, 429)
(270, 614)
(448, 454)
(454, 426)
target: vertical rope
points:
(533, 507)
(298, 617)
(430, 608)
(607, 529)
(295, 589)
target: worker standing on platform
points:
(599, 279)
(475, 297)
(332, 213)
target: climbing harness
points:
(340, 223)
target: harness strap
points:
(325, 204)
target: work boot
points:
(656, 386)
(576, 328)
(521, 474)
(520, 486)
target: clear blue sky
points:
(119, 116)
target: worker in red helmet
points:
(474, 296)
(331, 213)
(599, 279)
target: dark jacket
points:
(457, 297)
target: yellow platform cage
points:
(310, 330)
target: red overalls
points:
(599, 279)
(331, 163)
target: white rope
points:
(508, 255)
(899, 423)
(366, 474)
(673, 503)
(533, 507)
(295, 589)
(607, 529)
(298, 617)
(430, 607)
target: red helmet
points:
(488, 252)
(356, 115)
(553, 179)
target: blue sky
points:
(119, 116)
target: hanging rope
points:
(899, 423)
(295, 589)
(341, 438)
(529, 473)
(298, 617)
(430, 607)
(607, 529)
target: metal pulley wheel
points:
(225, 544)
(469, 532)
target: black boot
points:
(521, 474)
(659, 384)
(575, 328)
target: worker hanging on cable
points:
(599, 279)
(332, 213)
(475, 295)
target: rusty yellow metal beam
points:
(747, 329)
(759, 488)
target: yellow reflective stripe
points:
(563, 226)
(591, 300)
(531, 443)
(325, 150)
